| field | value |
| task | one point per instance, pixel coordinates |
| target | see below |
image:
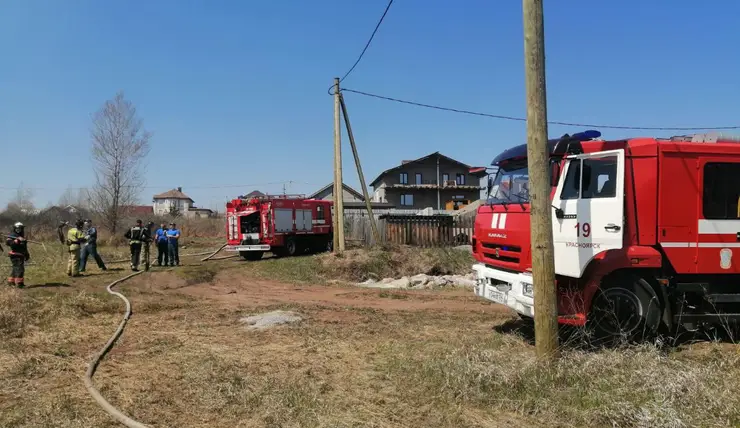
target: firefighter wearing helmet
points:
(137, 236)
(75, 238)
(18, 253)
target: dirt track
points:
(227, 289)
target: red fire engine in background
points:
(644, 229)
(285, 225)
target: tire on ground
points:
(625, 308)
(291, 247)
(251, 255)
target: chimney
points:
(179, 189)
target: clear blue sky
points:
(235, 91)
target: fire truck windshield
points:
(510, 185)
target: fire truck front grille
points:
(502, 253)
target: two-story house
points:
(176, 202)
(435, 181)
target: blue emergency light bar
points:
(586, 135)
(520, 152)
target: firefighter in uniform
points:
(75, 238)
(18, 253)
(136, 236)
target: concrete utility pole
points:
(368, 202)
(338, 217)
(538, 156)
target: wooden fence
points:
(408, 229)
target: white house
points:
(164, 203)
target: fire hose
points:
(212, 254)
(115, 413)
(102, 402)
(181, 255)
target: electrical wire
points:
(523, 119)
(367, 45)
(223, 186)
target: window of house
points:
(460, 180)
(591, 179)
(403, 178)
(418, 178)
(407, 200)
(445, 178)
(721, 191)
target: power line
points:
(367, 45)
(523, 119)
(224, 186)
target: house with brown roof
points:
(434, 181)
(353, 200)
(175, 201)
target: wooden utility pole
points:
(538, 158)
(368, 203)
(338, 218)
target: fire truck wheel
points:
(625, 307)
(251, 255)
(291, 247)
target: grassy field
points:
(360, 358)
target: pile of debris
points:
(271, 319)
(422, 281)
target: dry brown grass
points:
(395, 262)
(186, 361)
(42, 228)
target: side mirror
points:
(490, 183)
(559, 213)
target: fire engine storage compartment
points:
(284, 220)
(419, 230)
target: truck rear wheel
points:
(251, 255)
(291, 247)
(625, 308)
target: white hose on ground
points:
(115, 413)
(181, 255)
(224, 257)
(214, 253)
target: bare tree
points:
(174, 211)
(79, 198)
(23, 200)
(119, 147)
(21, 207)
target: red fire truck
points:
(285, 225)
(644, 229)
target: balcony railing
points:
(429, 184)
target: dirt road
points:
(232, 289)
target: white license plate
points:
(496, 296)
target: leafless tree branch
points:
(120, 146)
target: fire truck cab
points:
(644, 232)
(285, 225)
